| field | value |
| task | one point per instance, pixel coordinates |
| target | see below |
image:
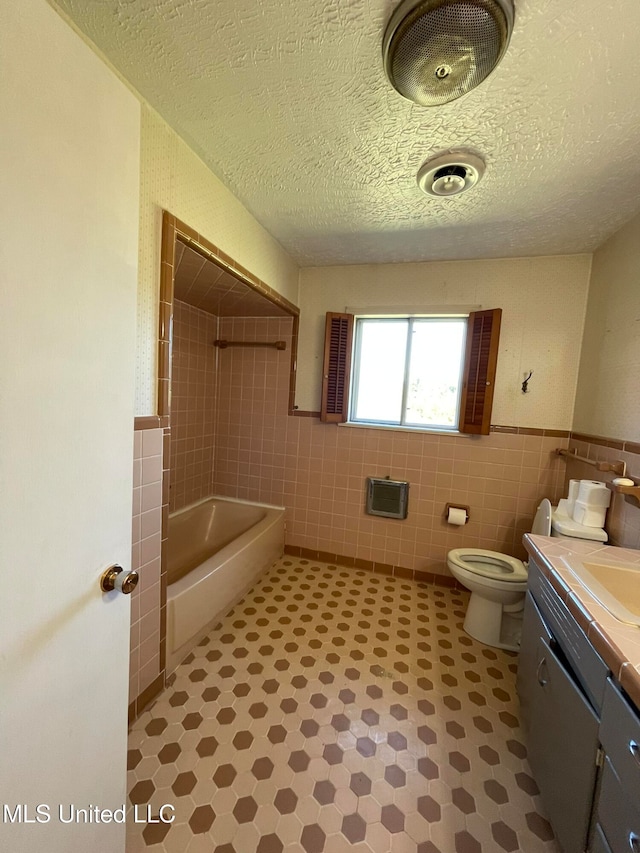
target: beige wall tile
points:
(145, 555)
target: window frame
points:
(478, 379)
(411, 320)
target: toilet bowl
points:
(498, 582)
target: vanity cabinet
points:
(583, 735)
(558, 678)
(618, 805)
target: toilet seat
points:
(489, 564)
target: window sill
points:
(391, 428)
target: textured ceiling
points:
(203, 284)
(288, 104)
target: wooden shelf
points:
(631, 491)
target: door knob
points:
(116, 578)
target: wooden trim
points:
(148, 422)
(498, 429)
(204, 247)
(515, 430)
(336, 367)
(294, 364)
(613, 443)
(479, 375)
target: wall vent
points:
(389, 498)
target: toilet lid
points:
(542, 522)
(489, 564)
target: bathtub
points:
(217, 548)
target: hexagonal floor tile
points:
(337, 708)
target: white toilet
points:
(498, 582)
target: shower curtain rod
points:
(223, 344)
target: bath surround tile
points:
(357, 716)
(144, 665)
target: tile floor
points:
(332, 710)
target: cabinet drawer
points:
(618, 813)
(620, 737)
(588, 667)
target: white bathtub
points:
(217, 549)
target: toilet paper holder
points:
(456, 506)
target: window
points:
(407, 371)
(419, 372)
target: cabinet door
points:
(618, 812)
(563, 742)
(533, 628)
(599, 843)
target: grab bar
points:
(618, 468)
(223, 344)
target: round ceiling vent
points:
(438, 50)
(450, 174)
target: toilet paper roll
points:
(574, 486)
(593, 493)
(456, 516)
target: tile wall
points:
(251, 460)
(146, 630)
(623, 516)
(501, 477)
(318, 470)
(193, 404)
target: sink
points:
(614, 583)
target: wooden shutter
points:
(481, 357)
(336, 370)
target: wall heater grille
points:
(389, 498)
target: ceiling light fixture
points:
(435, 51)
(450, 174)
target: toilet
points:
(498, 582)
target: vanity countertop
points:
(616, 642)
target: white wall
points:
(608, 400)
(174, 178)
(69, 223)
(543, 302)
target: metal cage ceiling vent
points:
(435, 51)
(450, 174)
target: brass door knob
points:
(116, 578)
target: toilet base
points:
(491, 624)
